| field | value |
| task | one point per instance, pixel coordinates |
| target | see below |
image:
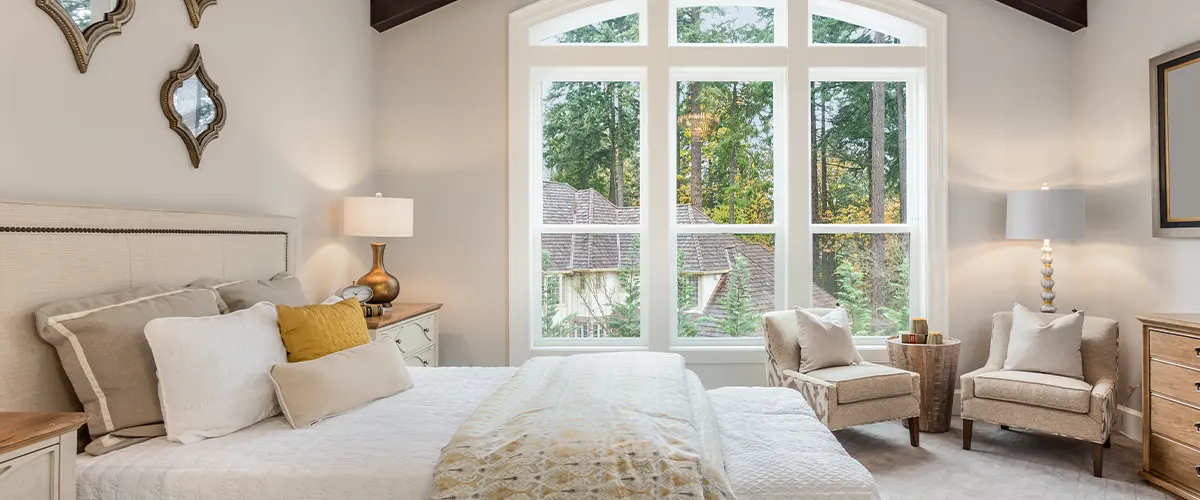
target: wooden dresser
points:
(414, 329)
(37, 455)
(1171, 402)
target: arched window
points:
(679, 167)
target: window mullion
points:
(795, 210)
(658, 300)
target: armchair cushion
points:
(1042, 346)
(1035, 389)
(866, 381)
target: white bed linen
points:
(774, 449)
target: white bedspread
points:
(773, 447)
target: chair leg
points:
(967, 426)
(1108, 443)
(1098, 459)
(914, 432)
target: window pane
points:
(591, 147)
(624, 29)
(859, 152)
(868, 274)
(726, 283)
(715, 24)
(591, 286)
(835, 31)
(726, 137)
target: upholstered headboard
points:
(52, 252)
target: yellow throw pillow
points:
(314, 331)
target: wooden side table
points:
(37, 455)
(938, 366)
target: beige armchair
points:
(844, 396)
(1078, 409)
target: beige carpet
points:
(1001, 465)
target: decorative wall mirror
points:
(86, 23)
(1175, 85)
(196, 9)
(193, 106)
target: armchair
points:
(1077, 409)
(843, 396)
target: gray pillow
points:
(104, 352)
(1054, 348)
(282, 290)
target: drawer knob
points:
(402, 352)
(1198, 471)
(1197, 424)
(426, 363)
(1197, 386)
(426, 332)
(1198, 352)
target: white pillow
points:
(214, 373)
(825, 341)
(1034, 346)
(333, 299)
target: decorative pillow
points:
(825, 341)
(214, 373)
(1054, 348)
(282, 290)
(314, 331)
(314, 390)
(103, 349)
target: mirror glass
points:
(195, 106)
(87, 12)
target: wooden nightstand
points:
(414, 329)
(37, 455)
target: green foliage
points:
(620, 30)
(551, 298)
(852, 297)
(626, 317)
(741, 318)
(688, 326)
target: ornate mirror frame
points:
(83, 43)
(193, 67)
(196, 9)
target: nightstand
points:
(414, 329)
(37, 455)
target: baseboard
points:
(1129, 423)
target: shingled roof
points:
(702, 253)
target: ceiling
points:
(1070, 15)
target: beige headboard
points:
(53, 252)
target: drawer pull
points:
(426, 363)
(1197, 386)
(1198, 471)
(427, 337)
(1198, 352)
(402, 352)
(1197, 424)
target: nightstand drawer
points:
(1175, 381)
(1175, 348)
(32, 476)
(427, 358)
(412, 336)
(1176, 421)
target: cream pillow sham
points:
(825, 341)
(1037, 346)
(310, 391)
(214, 373)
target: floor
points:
(1001, 465)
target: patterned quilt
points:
(597, 426)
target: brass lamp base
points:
(384, 287)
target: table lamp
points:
(1046, 214)
(378, 218)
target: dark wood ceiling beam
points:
(387, 14)
(1070, 15)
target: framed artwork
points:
(1175, 90)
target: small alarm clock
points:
(362, 293)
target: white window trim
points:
(655, 55)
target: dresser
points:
(1171, 402)
(414, 329)
(37, 455)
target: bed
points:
(773, 445)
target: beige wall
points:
(296, 75)
(442, 140)
(1131, 272)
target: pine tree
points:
(741, 318)
(854, 299)
(688, 327)
(551, 298)
(626, 318)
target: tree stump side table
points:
(938, 366)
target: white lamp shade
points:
(377, 217)
(1046, 214)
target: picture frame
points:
(1175, 139)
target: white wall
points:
(1131, 272)
(296, 75)
(442, 139)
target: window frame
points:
(659, 59)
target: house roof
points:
(701, 253)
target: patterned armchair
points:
(843, 396)
(1077, 409)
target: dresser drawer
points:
(33, 476)
(1175, 381)
(1176, 348)
(1174, 420)
(427, 358)
(1175, 461)
(412, 336)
